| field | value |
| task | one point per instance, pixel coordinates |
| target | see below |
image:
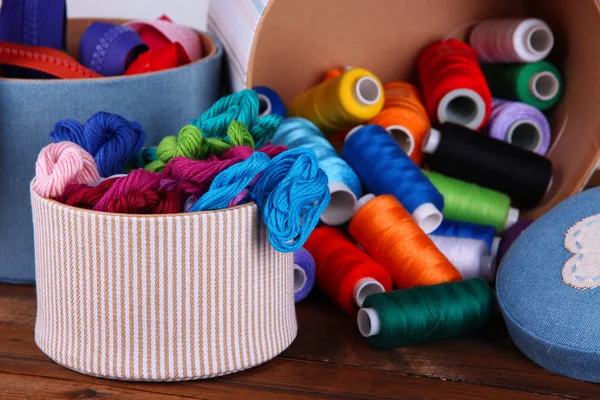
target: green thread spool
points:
(426, 313)
(468, 202)
(539, 84)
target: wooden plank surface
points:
(328, 360)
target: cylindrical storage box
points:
(162, 102)
(159, 298)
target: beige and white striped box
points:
(159, 298)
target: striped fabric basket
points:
(159, 298)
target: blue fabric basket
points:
(549, 289)
(161, 102)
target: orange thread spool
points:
(344, 272)
(389, 234)
(332, 73)
(404, 116)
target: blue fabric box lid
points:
(548, 289)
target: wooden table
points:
(329, 359)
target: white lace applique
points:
(582, 271)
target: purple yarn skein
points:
(304, 274)
(519, 124)
(511, 234)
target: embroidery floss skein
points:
(60, 164)
(454, 87)
(342, 102)
(461, 153)
(468, 202)
(469, 256)
(538, 84)
(426, 314)
(304, 274)
(404, 117)
(269, 102)
(344, 272)
(387, 232)
(461, 229)
(519, 124)
(138, 181)
(505, 40)
(85, 196)
(386, 169)
(344, 184)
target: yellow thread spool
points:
(341, 103)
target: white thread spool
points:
(341, 206)
(511, 40)
(463, 107)
(364, 288)
(368, 322)
(469, 256)
(367, 91)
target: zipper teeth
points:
(29, 29)
(34, 55)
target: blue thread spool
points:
(344, 184)
(269, 102)
(468, 230)
(386, 169)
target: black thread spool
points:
(464, 154)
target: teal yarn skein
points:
(242, 106)
(344, 183)
(426, 313)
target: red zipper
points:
(44, 59)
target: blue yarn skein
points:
(113, 141)
(69, 130)
(386, 169)
(230, 182)
(243, 107)
(469, 230)
(269, 102)
(344, 184)
(292, 194)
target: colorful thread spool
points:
(304, 274)
(454, 87)
(469, 256)
(461, 153)
(505, 40)
(269, 102)
(342, 102)
(344, 272)
(344, 184)
(512, 234)
(468, 202)
(404, 117)
(109, 49)
(426, 314)
(519, 124)
(386, 169)
(387, 232)
(538, 84)
(461, 229)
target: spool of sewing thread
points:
(426, 314)
(519, 124)
(269, 102)
(388, 234)
(505, 40)
(344, 184)
(461, 229)
(512, 234)
(340, 103)
(469, 256)
(344, 272)
(304, 274)
(404, 117)
(538, 84)
(454, 87)
(386, 169)
(461, 153)
(468, 202)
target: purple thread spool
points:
(511, 234)
(519, 124)
(304, 274)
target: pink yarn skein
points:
(59, 164)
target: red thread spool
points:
(344, 272)
(454, 87)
